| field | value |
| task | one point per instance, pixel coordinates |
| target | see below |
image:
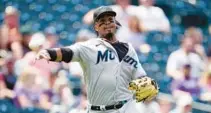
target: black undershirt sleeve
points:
(67, 54)
(52, 54)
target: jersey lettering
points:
(131, 61)
(104, 56)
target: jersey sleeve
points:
(76, 48)
(138, 70)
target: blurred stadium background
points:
(30, 25)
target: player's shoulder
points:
(129, 46)
(94, 41)
(89, 42)
(126, 44)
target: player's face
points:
(105, 25)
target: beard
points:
(109, 36)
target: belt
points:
(109, 107)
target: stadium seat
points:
(33, 110)
(6, 106)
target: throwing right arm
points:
(55, 54)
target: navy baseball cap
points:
(101, 11)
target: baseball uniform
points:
(107, 73)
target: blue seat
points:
(198, 111)
(6, 106)
(33, 110)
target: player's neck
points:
(111, 39)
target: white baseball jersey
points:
(106, 77)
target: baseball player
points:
(112, 72)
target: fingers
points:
(43, 54)
(132, 86)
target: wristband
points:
(52, 54)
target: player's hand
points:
(145, 88)
(43, 54)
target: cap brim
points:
(118, 24)
(112, 13)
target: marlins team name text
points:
(107, 55)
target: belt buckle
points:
(116, 105)
(102, 108)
